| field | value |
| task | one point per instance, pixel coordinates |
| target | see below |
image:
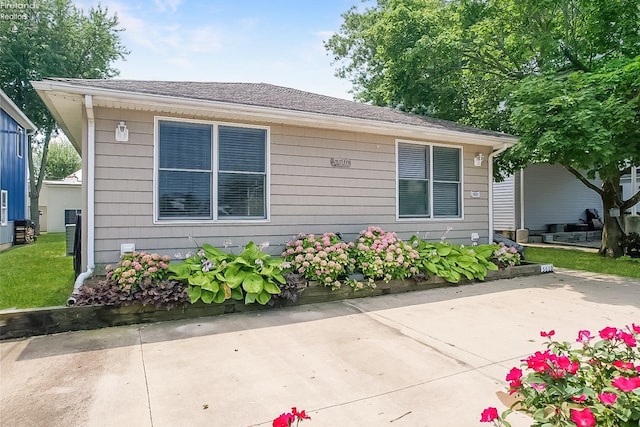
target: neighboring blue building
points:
(14, 130)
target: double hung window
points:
(211, 171)
(429, 181)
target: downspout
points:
(89, 176)
(490, 160)
(522, 199)
(27, 202)
(634, 187)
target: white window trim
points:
(431, 218)
(4, 207)
(214, 173)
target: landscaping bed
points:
(49, 320)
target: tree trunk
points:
(612, 231)
(35, 182)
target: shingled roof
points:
(272, 96)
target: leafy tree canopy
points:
(53, 38)
(63, 160)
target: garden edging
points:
(49, 320)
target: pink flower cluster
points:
(604, 373)
(506, 256)
(324, 258)
(382, 255)
(134, 267)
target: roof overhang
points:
(16, 113)
(66, 102)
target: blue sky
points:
(270, 41)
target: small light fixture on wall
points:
(477, 160)
(122, 133)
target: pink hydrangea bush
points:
(134, 267)
(505, 256)
(596, 384)
(382, 255)
(326, 258)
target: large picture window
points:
(429, 181)
(211, 171)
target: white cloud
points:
(163, 5)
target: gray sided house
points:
(540, 196)
(15, 128)
(227, 163)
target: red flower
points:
(284, 420)
(580, 398)
(583, 418)
(627, 338)
(488, 415)
(547, 334)
(539, 387)
(584, 336)
(302, 415)
(626, 384)
(608, 398)
(608, 333)
(623, 365)
(635, 328)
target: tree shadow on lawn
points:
(572, 288)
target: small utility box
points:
(70, 233)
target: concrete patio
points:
(431, 358)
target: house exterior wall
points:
(554, 196)
(13, 173)
(55, 198)
(307, 194)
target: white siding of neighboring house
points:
(55, 198)
(504, 204)
(554, 196)
(307, 194)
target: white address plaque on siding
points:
(340, 163)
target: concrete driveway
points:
(432, 358)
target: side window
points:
(4, 207)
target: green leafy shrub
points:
(134, 267)
(325, 258)
(213, 275)
(166, 294)
(453, 262)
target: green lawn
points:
(580, 260)
(36, 275)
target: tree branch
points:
(584, 180)
(627, 204)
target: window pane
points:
(446, 199)
(241, 195)
(446, 164)
(184, 194)
(414, 198)
(413, 161)
(241, 149)
(185, 146)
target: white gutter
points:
(89, 176)
(490, 160)
(522, 199)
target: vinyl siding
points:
(306, 193)
(504, 204)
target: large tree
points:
(62, 160)
(52, 38)
(561, 74)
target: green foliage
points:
(216, 276)
(36, 275)
(56, 39)
(581, 260)
(62, 161)
(453, 262)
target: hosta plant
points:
(325, 258)
(213, 275)
(595, 382)
(453, 262)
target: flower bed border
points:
(50, 320)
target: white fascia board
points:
(170, 104)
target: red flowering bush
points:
(288, 418)
(595, 384)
